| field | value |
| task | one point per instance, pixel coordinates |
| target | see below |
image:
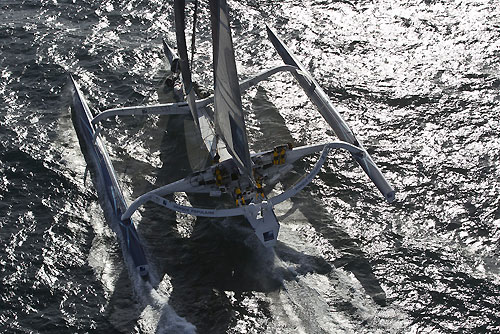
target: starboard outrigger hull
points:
(330, 114)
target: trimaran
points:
(232, 169)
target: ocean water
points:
(418, 81)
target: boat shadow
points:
(216, 258)
(211, 263)
(219, 254)
(199, 268)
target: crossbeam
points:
(185, 186)
(182, 108)
(245, 84)
(307, 178)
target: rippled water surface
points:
(418, 81)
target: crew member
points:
(282, 155)
(259, 191)
(275, 156)
(239, 197)
(218, 177)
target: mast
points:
(179, 13)
(229, 117)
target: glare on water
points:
(417, 81)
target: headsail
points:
(183, 57)
(229, 120)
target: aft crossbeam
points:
(307, 178)
(185, 186)
(197, 211)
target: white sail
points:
(229, 120)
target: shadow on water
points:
(212, 259)
(200, 267)
(221, 255)
(353, 258)
(217, 255)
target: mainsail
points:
(229, 120)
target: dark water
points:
(418, 82)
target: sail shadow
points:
(352, 257)
(198, 265)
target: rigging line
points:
(193, 44)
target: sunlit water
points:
(419, 84)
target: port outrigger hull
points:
(106, 176)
